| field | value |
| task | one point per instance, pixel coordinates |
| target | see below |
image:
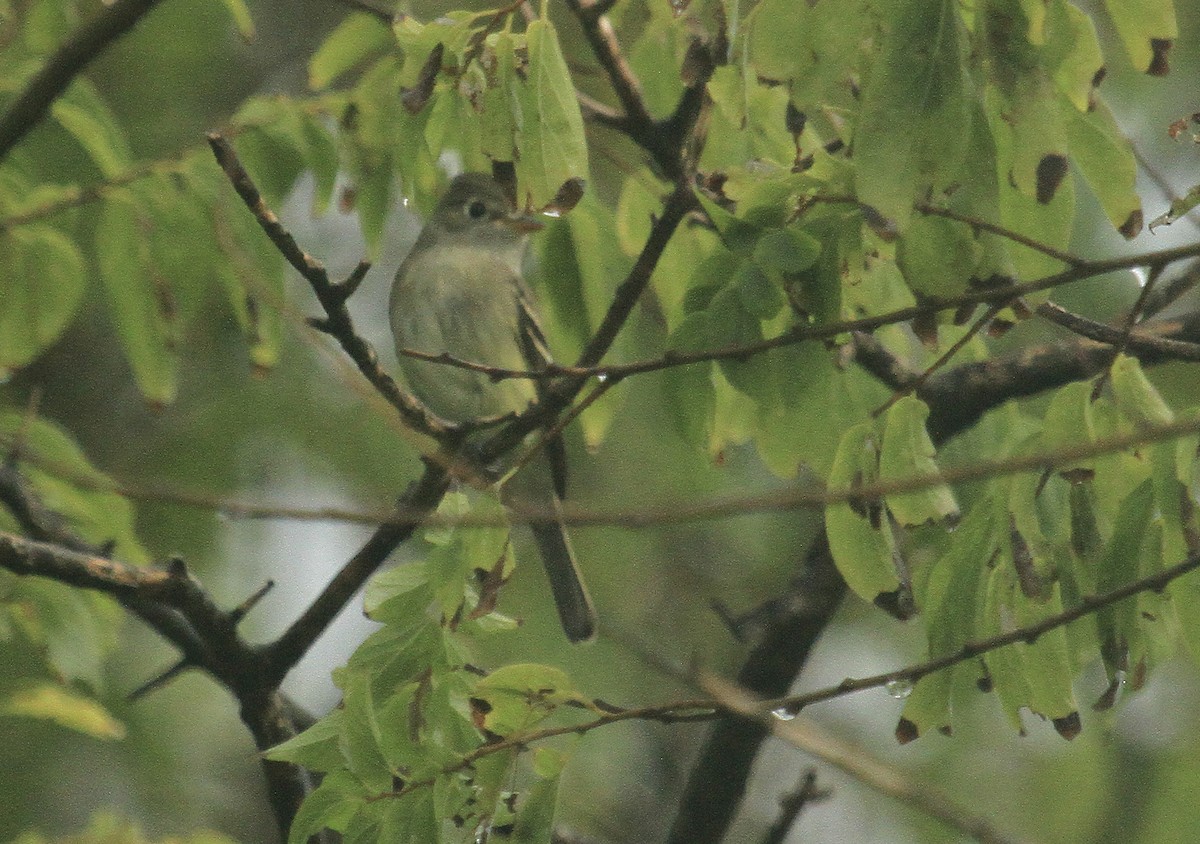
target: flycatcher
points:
(460, 291)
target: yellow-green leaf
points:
(140, 303)
(908, 453)
(860, 537)
(551, 141)
(65, 708)
(41, 281)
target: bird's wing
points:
(537, 356)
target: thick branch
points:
(718, 780)
(958, 397)
(67, 62)
(420, 499)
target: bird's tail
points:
(575, 609)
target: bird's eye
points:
(476, 210)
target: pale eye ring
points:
(476, 210)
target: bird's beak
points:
(523, 223)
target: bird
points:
(461, 291)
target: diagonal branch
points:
(332, 296)
(67, 62)
(173, 605)
(857, 763)
(419, 500)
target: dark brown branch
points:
(792, 804)
(603, 40)
(1119, 338)
(664, 139)
(175, 607)
(718, 780)
(332, 297)
(878, 360)
(420, 499)
(67, 62)
(958, 397)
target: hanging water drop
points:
(899, 689)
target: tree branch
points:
(173, 605)
(67, 62)
(337, 322)
(420, 499)
(717, 782)
(855, 762)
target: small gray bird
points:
(460, 291)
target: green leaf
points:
(71, 486)
(1068, 421)
(786, 251)
(1046, 661)
(732, 325)
(860, 537)
(499, 100)
(952, 599)
(47, 25)
(251, 276)
(271, 146)
(321, 155)
(816, 47)
(938, 256)
(332, 804)
(1106, 161)
(240, 14)
(65, 708)
(689, 390)
(1136, 397)
(760, 295)
(1117, 566)
(138, 301)
(916, 112)
(316, 748)
(908, 453)
(355, 40)
(42, 280)
(75, 630)
(85, 115)
(1140, 23)
(516, 697)
(535, 817)
(787, 434)
(551, 140)
(1073, 52)
(1049, 223)
(360, 734)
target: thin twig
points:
(854, 761)
(825, 331)
(1101, 333)
(1087, 605)
(811, 497)
(957, 346)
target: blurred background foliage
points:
(296, 426)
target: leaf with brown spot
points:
(1050, 172)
